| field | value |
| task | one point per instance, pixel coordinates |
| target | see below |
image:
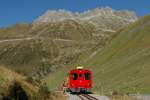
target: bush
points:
(16, 92)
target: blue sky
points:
(25, 11)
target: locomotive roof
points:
(77, 70)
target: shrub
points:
(16, 92)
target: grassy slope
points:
(123, 65)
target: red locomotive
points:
(79, 80)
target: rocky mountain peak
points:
(106, 12)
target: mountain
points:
(123, 65)
(42, 47)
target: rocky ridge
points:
(104, 18)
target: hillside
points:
(123, 65)
(15, 31)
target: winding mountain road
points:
(11, 40)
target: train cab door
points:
(80, 79)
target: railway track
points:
(86, 97)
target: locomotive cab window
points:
(87, 76)
(74, 76)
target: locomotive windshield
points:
(74, 76)
(87, 76)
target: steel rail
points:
(89, 97)
(81, 97)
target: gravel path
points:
(11, 40)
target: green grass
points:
(124, 64)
